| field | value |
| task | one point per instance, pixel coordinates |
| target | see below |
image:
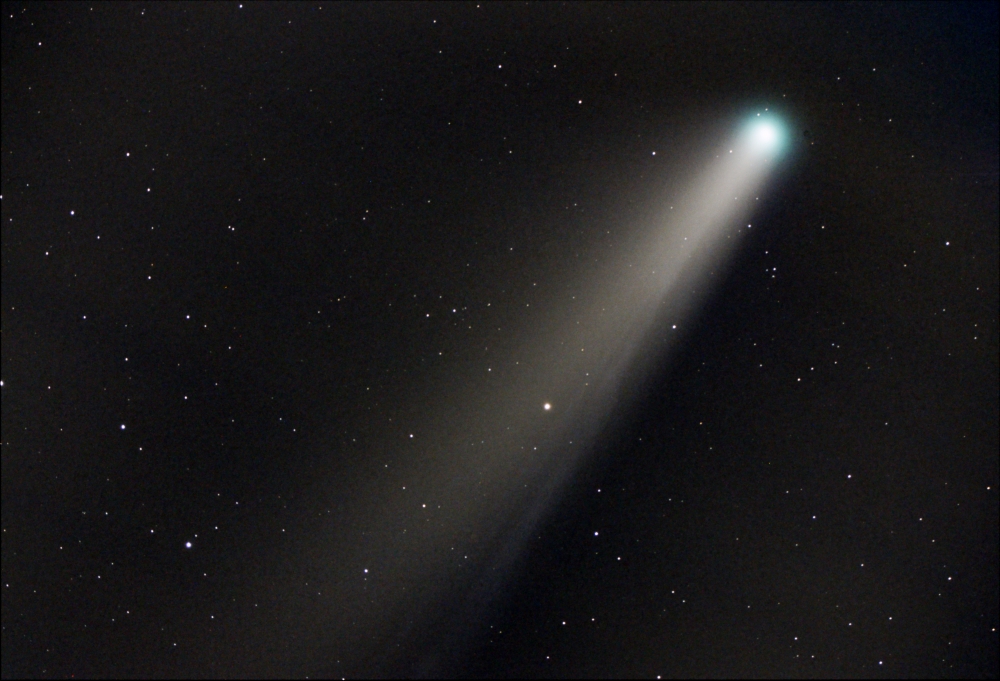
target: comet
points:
(486, 457)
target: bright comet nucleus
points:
(765, 135)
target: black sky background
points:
(257, 205)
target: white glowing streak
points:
(490, 459)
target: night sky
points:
(293, 385)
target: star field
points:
(381, 340)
